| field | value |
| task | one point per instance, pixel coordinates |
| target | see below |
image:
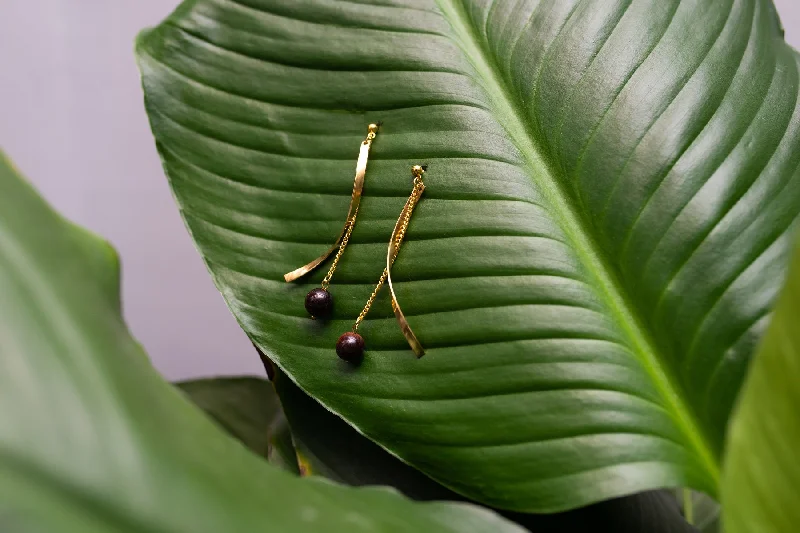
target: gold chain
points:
(416, 193)
(348, 230)
(372, 297)
(410, 204)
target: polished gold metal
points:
(355, 201)
(398, 234)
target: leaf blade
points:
(761, 478)
(530, 271)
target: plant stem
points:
(688, 509)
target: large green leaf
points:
(761, 482)
(610, 189)
(92, 440)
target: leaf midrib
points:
(509, 112)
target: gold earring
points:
(319, 302)
(350, 346)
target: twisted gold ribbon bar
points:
(398, 234)
(355, 200)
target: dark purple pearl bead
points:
(350, 347)
(319, 303)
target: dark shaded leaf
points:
(246, 407)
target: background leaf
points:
(93, 440)
(246, 407)
(704, 512)
(281, 446)
(611, 188)
(249, 409)
(761, 482)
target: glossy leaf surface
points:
(336, 451)
(92, 440)
(761, 482)
(610, 188)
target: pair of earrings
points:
(319, 302)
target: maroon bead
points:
(350, 347)
(319, 303)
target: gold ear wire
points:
(350, 346)
(355, 201)
(318, 301)
(395, 241)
